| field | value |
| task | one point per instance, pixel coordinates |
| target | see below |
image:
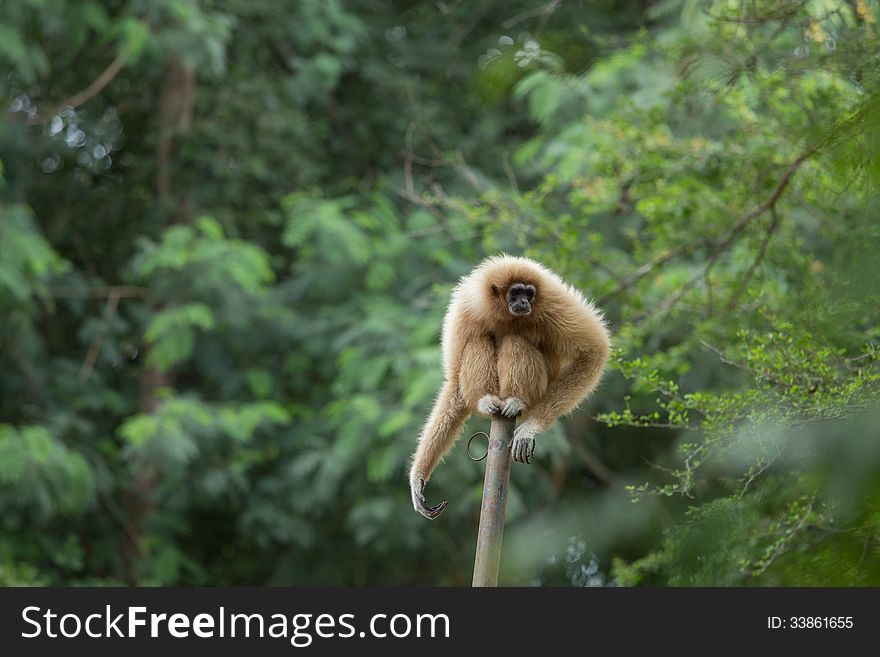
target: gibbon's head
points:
(518, 297)
(512, 286)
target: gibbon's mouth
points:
(520, 312)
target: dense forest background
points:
(228, 229)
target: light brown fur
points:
(541, 365)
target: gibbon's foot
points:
(489, 405)
(512, 407)
(417, 488)
(523, 446)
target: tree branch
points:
(119, 291)
(762, 251)
(85, 371)
(590, 461)
(647, 268)
(89, 92)
(771, 200)
(721, 244)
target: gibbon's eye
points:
(494, 290)
(530, 293)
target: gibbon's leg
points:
(564, 393)
(522, 375)
(478, 376)
(440, 431)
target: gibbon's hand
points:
(523, 446)
(512, 407)
(417, 488)
(489, 405)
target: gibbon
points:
(516, 341)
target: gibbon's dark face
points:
(520, 298)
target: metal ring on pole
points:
(470, 440)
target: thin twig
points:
(424, 161)
(786, 541)
(120, 291)
(465, 170)
(508, 170)
(543, 11)
(91, 358)
(418, 200)
(647, 268)
(89, 92)
(592, 463)
(741, 287)
(724, 358)
(771, 200)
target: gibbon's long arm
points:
(563, 395)
(471, 384)
(441, 430)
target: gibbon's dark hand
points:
(417, 489)
(522, 448)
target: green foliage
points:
(171, 332)
(169, 437)
(228, 231)
(40, 477)
(218, 261)
(27, 261)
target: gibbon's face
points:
(519, 298)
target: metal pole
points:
(495, 487)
